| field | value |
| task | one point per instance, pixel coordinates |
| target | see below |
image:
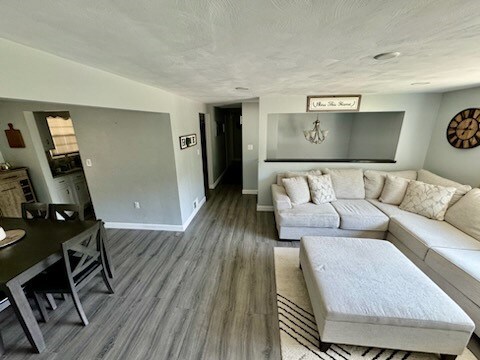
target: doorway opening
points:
(231, 116)
(57, 132)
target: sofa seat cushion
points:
(310, 215)
(419, 233)
(461, 268)
(360, 215)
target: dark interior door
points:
(203, 142)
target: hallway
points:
(207, 293)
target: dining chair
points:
(34, 211)
(83, 259)
(67, 212)
(4, 303)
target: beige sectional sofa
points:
(447, 251)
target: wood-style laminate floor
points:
(207, 293)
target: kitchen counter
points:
(68, 172)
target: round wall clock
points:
(463, 131)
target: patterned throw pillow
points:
(428, 200)
(297, 189)
(321, 189)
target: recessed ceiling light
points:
(241, 88)
(387, 56)
(421, 83)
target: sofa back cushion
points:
(347, 183)
(427, 200)
(431, 178)
(465, 214)
(321, 189)
(290, 174)
(394, 190)
(297, 189)
(375, 180)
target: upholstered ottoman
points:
(366, 292)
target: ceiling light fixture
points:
(241, 88)
(316, 135)
(421, 83)
(387, 55)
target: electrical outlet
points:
(195, 203)
(250, 147)
(88, 162)
(136, 205)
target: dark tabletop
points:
(43, 239)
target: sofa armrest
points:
(280, 198)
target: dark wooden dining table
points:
(40, 248)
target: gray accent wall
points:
(445, 160)
(375, 135)
(132, 160)
(250, 137)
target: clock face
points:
(463, 132)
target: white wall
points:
(442, 158)
(250, 137)
(420, 114)
(30, 74)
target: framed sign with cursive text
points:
(333, 103)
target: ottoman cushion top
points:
(371, 281)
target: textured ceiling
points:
(203, 49)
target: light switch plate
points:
(250, 147)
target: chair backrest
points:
(82, 255)
(34, 211)
(4, 303)
(67, 212)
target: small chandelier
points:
(316, 135)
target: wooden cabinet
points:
(15, 188)
(71, 189)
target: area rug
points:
(298, 330)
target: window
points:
(63, 135)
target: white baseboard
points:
(264, 207)
(214, 185)
(195, 211)
(139, 226)
(249, 192)
(159, 227)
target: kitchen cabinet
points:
(44, 131)
(15, 189)
(71, 189)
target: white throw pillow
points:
(465, 214)
(290, 174)
(428, 200)
(375, 180)
(347, 183)
(431, 178)
(321, 189)
(394, 190)
(297, 189)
